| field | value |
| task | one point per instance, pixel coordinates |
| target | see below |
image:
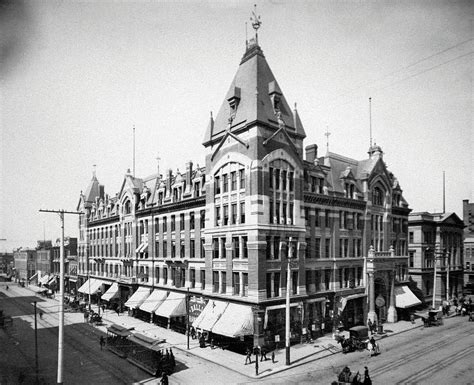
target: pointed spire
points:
(327, 138)
(94, 176)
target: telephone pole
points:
(61, 291)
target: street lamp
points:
(290, 256)
(437, 255)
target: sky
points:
(76, 76)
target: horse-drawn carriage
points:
(358, 340)
(431, 318)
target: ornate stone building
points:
(468, 218)
(220, 233)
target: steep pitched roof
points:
(253, 85)
(92, 190)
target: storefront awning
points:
(404, 297)
(210, 315)
(138, 298)
(156, 298)
(173, 306)
(52, 279)
(343, 300)
(91, 286)
(111, 293)
(44, 279)
(236, 321)
(33, 277)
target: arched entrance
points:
(381, 298)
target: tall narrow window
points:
(226, 215)
(242, 178)
(244, 247)
(236, 283)
(217, 185)
(233, 180)
(215, 281)
(192, 250)
(203, 279)
(191, 220)
(225, 183)
(242, 212)
(215, 248)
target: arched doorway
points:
(381, 298)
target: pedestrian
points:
(370, 325)
(7, 287)
(86, 316)
(248, 356)
(256, 366)
(41, 315)
(102, 342)
(173, 361)
(412, 318)
(117, 310)
(164, 379)
(273, 357)
(103, 308)
(367, 380)
(263, 354)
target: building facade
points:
(25, 264)
(222, 233)
(436, 244)
(468, 218)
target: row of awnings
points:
(47, 279)
(91, 286)
(225, 318)
(159, 302)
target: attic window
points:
(234, 99)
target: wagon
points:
(359, 336)
(431, 318)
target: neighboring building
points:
(468, 218)
(6, 264)
(436, 237)
(44, 260)
(25, 264)
(223, 231)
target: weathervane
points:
(327, 138)
(256, 23)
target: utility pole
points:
(290, 256)
(61, 292)
(36, 346)
(187, 318)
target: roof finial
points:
(370, 121)
(256, 23)
(327, 137)
(158, 164)
(94, 166)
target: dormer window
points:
(377, 197)
(127, 207)
(234, 99)
(197, 189)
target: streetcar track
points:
(442, 363)
(77, 346)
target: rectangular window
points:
(225, 183)
(173, 249)
(173, 223)
(181, 248)
(276, 285)
(242, 212)
(410, 237)
(244, 247)
(412, 258)
(233, 180)
(294, 282)
(223, 250)
(327, 247)
(326, 219)
(290, 181)
(203, 279)
(203, 250)
(317, 247)
(306, 216)
(215, 248)
(233, 213)
(202, 221)
(197, 189)
(217, 185)
(165, 225)
(223, 282)
(235, 284)
(269, 285)
(215, 282)
(192, 278)
(157, 273)
(181, 222)
(242, 178)
(192, 249)
(271, 212)
(191, 220)
(283, 180)
(218, 215)
(226, 215)
(268, 248)
(308, 248)
(316, 218)
(276, 248)
(277, 179)
(245, 282)
(346, 248)
(235, 248)
(270, 172)
(165, 251)
(157, 249)
(165, 275)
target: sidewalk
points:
(300, 354)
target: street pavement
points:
(301, 354)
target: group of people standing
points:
(354, 378)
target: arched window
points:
(127, 208)
(377, 196)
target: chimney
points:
(189, 174)
(311, 152)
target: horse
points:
(373, 350)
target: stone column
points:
(372, 315)
(258, 315)
(392, 311)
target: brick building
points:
(222, 232)
(25, 264)
(436, 238)
(468, 218)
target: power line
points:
(367, 84)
